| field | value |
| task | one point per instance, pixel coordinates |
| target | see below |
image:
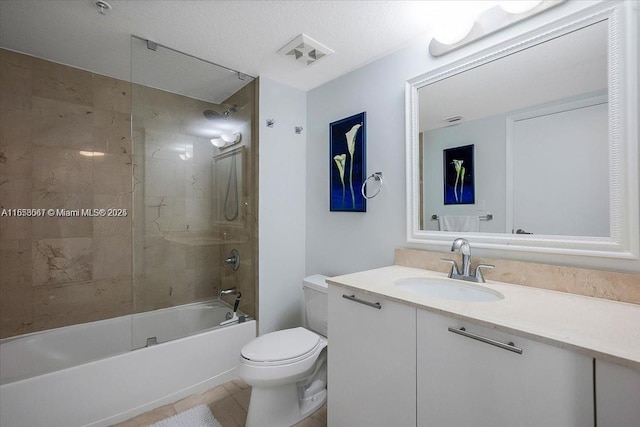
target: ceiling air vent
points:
(305, 50)
(453, 119)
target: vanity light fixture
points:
(518, 6)
(498, 17)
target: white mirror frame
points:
(620, 251)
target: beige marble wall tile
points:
(60, 261)
(61, 171)
(15, 259)
(111, 132)
(15, 126)
(16, 154)
(62, 124)
(164, 178)
(16, 167)
(165, 145)
(198, 181)
(200, 284)
(56, 306)
(111, 257)
(14, 227)
(203, 257)
(164, 214)
(112, 225)
(112, 174)
(111, 94)
(168, 281)
(615, 286)
(56, 81)
(16, 309)
(157, 109)
(61, 226)
(15, 80)
(198, 214)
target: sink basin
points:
(449, 289)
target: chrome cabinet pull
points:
(361, 301)
(509, 346)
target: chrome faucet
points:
(462, 245)
(233, 260)
(229, 291)
(232, 317)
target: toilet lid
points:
(280, 345)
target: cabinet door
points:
(372, 361)
(617, 395)
(466, 382)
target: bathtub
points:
(87, 375)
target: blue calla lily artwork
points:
(459, 187)
(347, 164)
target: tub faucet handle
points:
(233, 260)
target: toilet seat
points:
(281, 347)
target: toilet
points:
(287, 369)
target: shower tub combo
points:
(87, 375)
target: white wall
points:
(281, 206)
(345, 242)
(488, 137)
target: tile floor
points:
(227, 402)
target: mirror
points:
(523, 147)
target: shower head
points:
(230, 110)
(214, 115)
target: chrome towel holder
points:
(377, 176)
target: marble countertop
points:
(604, 329)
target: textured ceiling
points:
(243, 35)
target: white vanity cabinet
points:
(465, 380)
(617, 395)
(371, 360)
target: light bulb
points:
(519, 6)
(218, 142)
(453, 29)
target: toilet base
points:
(282, 406)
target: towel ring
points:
(376, 176)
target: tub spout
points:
(230, 291)
(232, 318)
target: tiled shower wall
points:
(64, 144)
(180, 180)
(174, 260)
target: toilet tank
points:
(315, 302)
